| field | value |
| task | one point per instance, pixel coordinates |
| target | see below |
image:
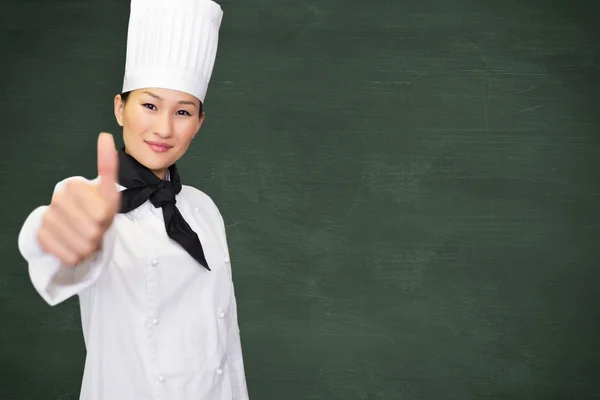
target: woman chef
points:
(146, 255)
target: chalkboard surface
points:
(411, 191)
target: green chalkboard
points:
(411, 191)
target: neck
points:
(160, 173)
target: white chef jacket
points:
(156, 324)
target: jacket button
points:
(219, 371)
(221, 315)
(226, 259)
(154, 262)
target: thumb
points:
(108, 166)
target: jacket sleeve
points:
(234, 354)
(54, 281)
(235, 359)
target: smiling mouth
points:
(159, 147)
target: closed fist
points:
(74, 224)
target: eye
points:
(183, 112)
(149, 106)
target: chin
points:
(153, 161)
(157, 166)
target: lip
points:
(158, 146)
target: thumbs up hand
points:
(108, 171)
(78, 216)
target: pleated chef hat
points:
(172, 44)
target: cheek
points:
(135, 123)
(185, 130)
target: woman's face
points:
(158, 126)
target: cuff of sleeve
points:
(54, 281)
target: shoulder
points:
(201, 200)
(63, 183)
(197, 196)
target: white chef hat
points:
(172, 44)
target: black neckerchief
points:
(141, 185)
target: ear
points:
(118, 106)
(200, 121)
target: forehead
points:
(166, 94)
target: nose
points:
(163, 125)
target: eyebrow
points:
(157, 97)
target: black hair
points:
(125, 96)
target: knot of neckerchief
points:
(142, 185)
(164, 194)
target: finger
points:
(89, 201)
(65, 232)
(52, 245)
(75, 219)
(108, 168)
